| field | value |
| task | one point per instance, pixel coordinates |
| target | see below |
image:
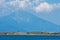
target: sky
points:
(30, 15)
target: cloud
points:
(56, 5)
(23, 4)
(44, 7)
(37, 6)
(3, 8)
(19, 3)
(34, 5)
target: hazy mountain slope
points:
(28, 23)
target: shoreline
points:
(30, 33)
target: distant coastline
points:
(30, 33)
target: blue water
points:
(29, 37)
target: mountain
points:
(23, 21)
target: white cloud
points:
(6, 8)
(23, 4)
(14, 5)
(19, 3)
(41, 5)
(56, 5)
(44, 7)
